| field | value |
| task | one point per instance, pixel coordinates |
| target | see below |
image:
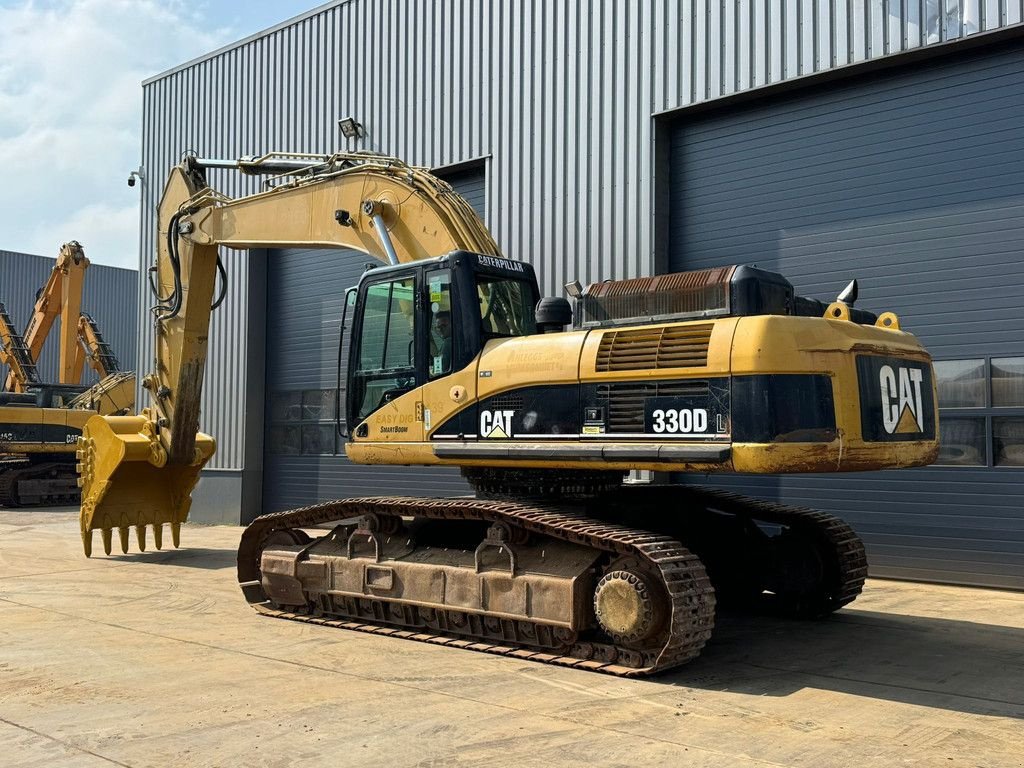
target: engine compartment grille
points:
(673, 346)
(624, 403)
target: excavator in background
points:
(40, 422)
(61, 297)
(556, 558)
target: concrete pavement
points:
(156, 660)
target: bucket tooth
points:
(158, 535)
(176, 534)
(107, 534)
(122, 534)
(140, 537)
(87, 542)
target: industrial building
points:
(872, 140)
(108, 295)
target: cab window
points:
(506, 307)
(439, 288)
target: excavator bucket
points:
(126, 482)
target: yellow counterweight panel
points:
(775, 344)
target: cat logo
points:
(902, 402)
(496, 423)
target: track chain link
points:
(837, 541)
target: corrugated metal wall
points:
(303, 461)
(558, 95)
(305, 293)
(922, 200)
(108, 295)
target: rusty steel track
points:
(836, 546)
(839, 546)
(839, 549)
(17, 470)
(690, 596)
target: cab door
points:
(451, 353)
(386, 364)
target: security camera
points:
(139, 173)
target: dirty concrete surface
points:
(156, 660)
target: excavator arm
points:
(15, 354)
(93, 347)
(140, 470)
(60, 297)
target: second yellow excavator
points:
(40, 422)
(456, 360)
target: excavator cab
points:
(416, 323)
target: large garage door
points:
(304, 459)
(471, 183)
(913, 182)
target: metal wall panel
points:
(558, 95)
(914, 184)
(305, 293)
(108, 295)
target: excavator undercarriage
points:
(553, 581)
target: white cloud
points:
(70, 116)
(108, 235)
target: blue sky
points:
(71, 109)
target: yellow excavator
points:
(60, 297)
(40, 423)
(456, 360)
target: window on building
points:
(302, 422)
(981, 419)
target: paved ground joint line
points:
(379, 681)
(63, 743)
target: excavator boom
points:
(14, 352)
(94, 348)
(138, 471)
(61, 296)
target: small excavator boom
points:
(16, 355)
(94, 349)
(60, 297)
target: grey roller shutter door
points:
(471, 183)
(913, 182)
(304, 462)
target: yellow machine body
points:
(763, 345)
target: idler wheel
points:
(627, 606)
